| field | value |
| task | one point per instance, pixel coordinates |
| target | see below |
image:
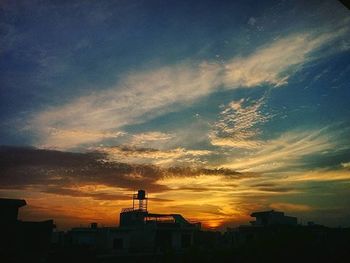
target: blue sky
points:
(258, 88)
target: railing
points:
(129, 209)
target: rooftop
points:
(265, 213)
(5, 202)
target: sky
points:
(215, 108)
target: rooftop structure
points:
(155, 230)
(138, 231)
(272, 217)
(138, 215)
(22, 241)
(9, 209)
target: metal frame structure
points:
(140, 200)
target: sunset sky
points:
(216, 108)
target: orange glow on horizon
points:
(216, 201)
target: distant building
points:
(22, 241)
(267, 223)
(138, 231)
(268, 218)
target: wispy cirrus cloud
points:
(142, 138)
(237, 125)
(345, 165)
(171, 157)
(138, 97)
(141, 96)
(319, 175)
(285, 152)
(276, 62)
(65, 139)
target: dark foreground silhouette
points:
(22, 241)
(148, 237)
(267, 244)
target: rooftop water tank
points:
(141, 194)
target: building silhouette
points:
(272, 217)
(22, 241)
(143, 236)
(139, 231)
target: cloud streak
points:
(150, 137)
(141, 96)
(154, 156)
(274, 63)
(285, 152)
(23, 168)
